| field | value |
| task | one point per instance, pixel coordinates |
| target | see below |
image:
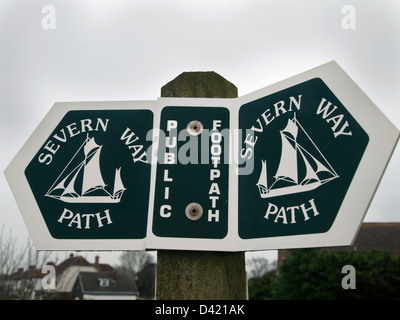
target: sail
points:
(62, 184)
(262, 181)
(321, 167)
(89, 146)
(66, 185)
(92, 178)
(291, 128)
(118, 185)
(288, 163)
(70, 187)
(310, 173)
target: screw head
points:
(194, 211)
(194, 128)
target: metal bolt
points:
(194, 211)
(194, 128)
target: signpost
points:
(292, 165)
(197, 216)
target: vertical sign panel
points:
(191, 193)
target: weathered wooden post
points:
(199, 275)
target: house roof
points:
(118, 283)
(379, 236)
(33, 272)
(71, 261)
(81, 261)
(30, 273)
(371, 236)
(102, 267)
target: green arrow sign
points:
(89, 176)
(312, 153)
(91, 173)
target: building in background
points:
(76, 278)
(384, 236)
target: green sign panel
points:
(303, 147)
(91, 177)
(191, 189)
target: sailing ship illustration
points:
(84, 183)
(299, 170)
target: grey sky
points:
(127, 50)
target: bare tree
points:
(134, 261)
(258, 266)
(7, 252)
(7, 262)
(14, 284)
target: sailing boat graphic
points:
(84, 183)
(299, 170)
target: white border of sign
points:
(383, 136)
(23, 195)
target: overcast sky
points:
(127, 50)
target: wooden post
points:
(200, 275)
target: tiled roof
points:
(27, 274)
(71, 261)
(379, 236)
(81, 261)
(118, 283)
(32, 272)
(371, 236)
